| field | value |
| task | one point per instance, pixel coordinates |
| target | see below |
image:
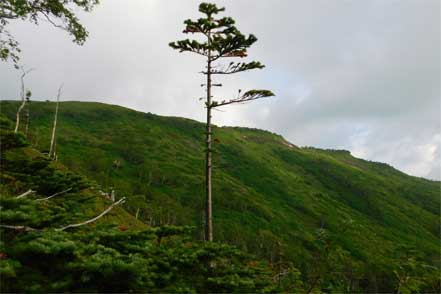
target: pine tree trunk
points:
(208, 210)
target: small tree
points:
(221, 40)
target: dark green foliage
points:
(107, 260)
(8, 140)
(223, 40)
(6, 123)
(116, 255)
(272, 196)
(226, 40)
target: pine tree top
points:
(223, 38)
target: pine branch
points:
(233, 68)
(232, 45)
(191, 46)
(248, 96)
(209, 9)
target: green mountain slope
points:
(270, 197)
(47, 247)
(73, 197)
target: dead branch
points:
(25, 194)
(18, 228)
(95, 218)
(58, 193)
(28, 229)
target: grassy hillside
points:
(24, 168)
(306, 206)
(42, 251)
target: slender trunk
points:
(27, 119)
(17, 122)
(23, 99)
(208, 211)
(52, 150)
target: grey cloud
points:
(359, 75)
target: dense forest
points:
(313, 220)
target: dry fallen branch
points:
(58, 193)
(28, 229)
(25, 194)
(95, 218)
(18, 228)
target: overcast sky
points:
(357, 75)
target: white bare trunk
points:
(52, 147)
(23, 99)
(27, 119)
(17, 121)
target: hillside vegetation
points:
(46, 246)
(344, 223)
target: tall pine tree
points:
(222, 40)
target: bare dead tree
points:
(52, 146)
(25, 95)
